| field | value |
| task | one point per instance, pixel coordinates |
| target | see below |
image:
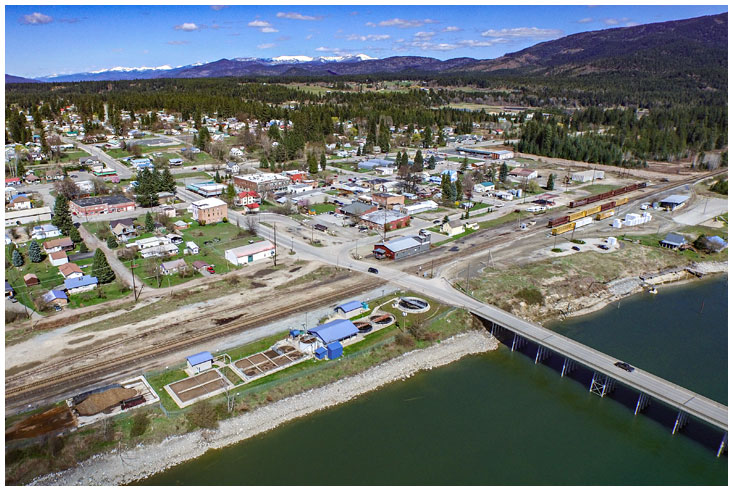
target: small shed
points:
(200, 361)
(673, 202)
(9, 292)
(30, 279)
(321, 353)
(335, 350)
(191, 248)
(673, 241)
(350, 307)
(56, 297)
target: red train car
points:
(607, 206)
(558, 221)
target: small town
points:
(185, 270)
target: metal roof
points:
(55, 295)
(85, 280)
(676, 199)
(248, 250)
(349, 306)
(199, 358)
(397, 245)
(334, 331)
(674, 239)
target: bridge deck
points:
(672, 394)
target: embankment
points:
(140, 462)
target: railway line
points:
(71, 379)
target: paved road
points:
(122, 171)
(120, 270)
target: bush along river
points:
(499, 419)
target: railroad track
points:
(96, 370)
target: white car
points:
(644, 206)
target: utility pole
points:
(468, 273)
(274, 258)
(134, 290)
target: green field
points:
(110, 291)
(598, 188)
(186, 175)
(72, 156)
(460, 159)
(323, 208)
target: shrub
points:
(202, 415)
(577, 241)
(225, 220)
(405, 340)
(140, 424)
(531, 295)
(556, 249)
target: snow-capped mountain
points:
(133, 69)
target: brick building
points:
(101, 204)
(209, 210)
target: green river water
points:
(499, 419)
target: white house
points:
(299, 188)
(250, 253)
(41, 232)
(483, 187)
(21, 202)
(232, 167)
(454, 227)
(235, 152)
(191, 248)
(58, 258)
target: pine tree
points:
(168, 183)
(112, 242)
(503, 172)
(34, 252)
(149, 222)
(203, 138)
(74, 235)
(323, 161)
(101, 269)
(431, 162)
(551, 182)
(312, 164)
(217, 177)
(83, 248)
(459, 189)
(358, 151)
(230, 194)
(62, 215)
(17, 259)
(405, 158)
(264, 164)
(417, 164)
(398, 158)
(427, 137)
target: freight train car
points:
(607, 206)
(608, 194)
(592, 211)
(558, 221)
(563, 228)
(605, 214)
(622, 201)
(576, 215)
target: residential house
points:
(484, 187)
(80, 285)
(21, 202)
(54, 175)
(124, 232)
(9, 292)
(171, 267)
(191, 248)
(232, 167)
(70, 270)
(58, 258)
(523, 172)
(247, 198)
(180, 225)
(55, 245)
(236, 152)
(209, 210)
(154, 247)
(32, 179)
(452, 228)
(200, 265)
(168, 211)
(56, 297)
(165, 197)
(673, 241)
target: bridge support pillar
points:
(680, 422)
(567, 366)
(601, 384)
(723, 444)
(542, 353)
(642, 403)
(518, 342)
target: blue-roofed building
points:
(333, 331)
(320, 353)
(673, 241)
(718, 243)
(56, 297)
(673, 202)
(9, 292)
(200, 361)
(351, 308)
(374, 163)
(483, 187)
(80, 285)
(335, 350)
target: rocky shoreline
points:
(145, 460)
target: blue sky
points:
(44, 40)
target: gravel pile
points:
(142, 461)
(623, 286)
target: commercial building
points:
(673, 202)
(483, 187)
(524, 173)
(387, 199)
(250, 253)
(385, 220)
(21, 217)
(403, 247)
(209, 210)
(501, 154)
(207, 188)
(357, 209)
(587, 175)
(262, 183)
(98, 205)
(199, 362)
(334, 331)
(420, 207)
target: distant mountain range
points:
(12, 79)
(689, 47)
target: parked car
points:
(57, 308)
(373, 270)
(575, 248)
(210, 269)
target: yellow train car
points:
(605, 214)
(621, 201)
(577, 215)
(561, 229)
(592, 211)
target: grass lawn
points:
(455, 237)
(72, 156)
(598, 188)
(323, 207)
(117, 153)
(167, 156)
(110, 291)
(186, 175)
(460, 159)
(503, 219)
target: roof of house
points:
(60, 242)
(674, 239)
(357, 208)
(522, 171)
(191, 245)
(676, 199)
(176, 263)
(248, 250)
(19, 198)
(8, 288)
(208, 203)
(718, 241)
(69, 268)
(200, 264)
(45, 228)
(199, 358)
(487, 183)
(455, 224)
(55, 295)
(85, 280)
(245, 194)
(349, 306)
(58, 255)
(252, 206)
(334, 330)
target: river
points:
(499, 419)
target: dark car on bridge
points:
(624, 366)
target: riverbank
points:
(143, 461)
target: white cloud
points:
(266, 46)
(368, 37)
(615, 22)
(522, 32)
(632, 24)
(268, 29)
(259, 23)
(309, 36)
(424, 34)
(585, 20)
(323, 49)
(404, 23)
(36, 18)
(297, 16)
(177, 43)
(187, 26)
(452, 29)
(370, 24)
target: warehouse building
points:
(207, 189)
(21, 217)
(250, 253)
(587, 175)
(98, 205)
(403, 247)
(673, 202)
(351, 309)
(385, 220)
(334, 331)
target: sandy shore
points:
(143, 461)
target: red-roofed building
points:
(12, 180)
(248, 197)
(252, 207)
